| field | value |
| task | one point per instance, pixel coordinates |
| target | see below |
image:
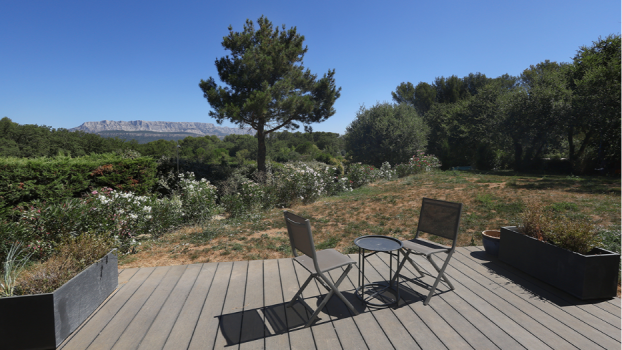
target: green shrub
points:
(54, 179)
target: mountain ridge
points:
(200, 129)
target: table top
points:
(378, 243)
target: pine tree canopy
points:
(267, 86)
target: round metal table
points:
(382, 291)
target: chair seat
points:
(420, 246)
(327, 259)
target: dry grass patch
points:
(384, 208)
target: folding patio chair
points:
(317, 263)
(439, 218)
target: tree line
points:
(31, 140)
(566, 114)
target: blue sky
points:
(63, 63)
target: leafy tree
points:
(404, 93)
(268, 87)
(538, 110)
(425, 96)
(385, 132)
(594, 78)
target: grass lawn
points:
(389, 208)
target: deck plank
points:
(542, 311)
(140, 324)
(297, 315)
(458, 322)
(230, 320)
(419, 330)
(206, 327)
(323, 330)
(395, 331)
(274, 310)
(493, 306)
(350, 337)
(117, 325)
(181, 334)
(499, 311)
(373, 334)
(89, 331)
(253, 322)
(156, 336)
(551, 316)
(605, 311)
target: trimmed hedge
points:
(23, 180)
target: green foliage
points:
(404, 93)
(12, 268)
(268, 86)
(612, 240)
(53, 179)
(29, 141)
(385, 132)
(418, 163)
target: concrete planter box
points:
(591, 276)
(43, 321)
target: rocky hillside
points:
(197, 129)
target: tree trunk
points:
(261, 150)
(518, 156)
(571, 154)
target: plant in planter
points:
(564, 251)
(52, 298)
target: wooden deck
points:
(241, 305)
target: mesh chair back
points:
(440, 218)
(300, 237)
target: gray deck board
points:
(454, 319)
(186, 321)
(578, 318)
(274, 310)
(297, 315)
(372, 332)
(230, 322)
(241, 305)
(324, 333)
(545, 313)
(140, 324)
(158, 332)
(206, 327)
(253, 326)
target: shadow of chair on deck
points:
(248, 325)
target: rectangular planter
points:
(591, 276)
(43, 321)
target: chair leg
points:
(441, 274)
(444, 265)
(300, 291)
(334, 289)
(414, 264)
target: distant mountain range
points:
(146, 131)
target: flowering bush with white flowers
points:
(360, 174)
(301, 182)
(122, 215)
(248, 198)
(198, 198)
